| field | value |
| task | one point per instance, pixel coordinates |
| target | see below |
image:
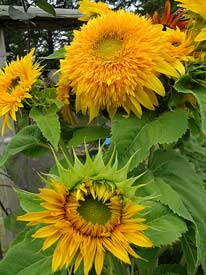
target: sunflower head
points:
(87, 212)
(16, 81)
(181, 43)
(91, 9)
(110, 64)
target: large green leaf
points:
(168, 269)
(48, 123)
(29, 201)
(165, 194)
(25, 257)
(190, 250)
(29, 140)
(177, 172)
(186, 86)
(88, 134)
(164, 226)
(148, 257)
(136, 136)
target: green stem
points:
(110, 265)
(132, 266)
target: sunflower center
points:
(94, 211)
(109, 47)
(13, 84)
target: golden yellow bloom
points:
(181, 43)
(201, 36)
(197, 6)
(88, 215)
(112, 64)
(92, 9)
(16, 80)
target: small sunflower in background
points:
(88, 212)
(92, 9)
(182, 43)
(16, 81)
(115, 61)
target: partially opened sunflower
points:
(115, 61)
(16, 81)
(87, 212)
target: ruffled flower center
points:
(13, 84)
(109, 47)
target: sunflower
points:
(111, 64)
(181, 43)
(16, 80)
(168, 19)
(91, 9)
(196, 6)
(87, 212)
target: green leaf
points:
(169, 269)
(136, 136)
(58, 54)
(164, 226)
(48, 123)
(190, 250)
(29, 140)
(88, 134)
(177, 172)
(42, 4)
(186, 86)
(29, 201)
(165, 194)
(12, 224)
(25, 258)
(148, 257)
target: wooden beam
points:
(2, 48)
(65, 19)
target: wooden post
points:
(2, 49)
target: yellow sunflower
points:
(196, 6)
(112, 64)
(91, 9)
(87, 213)
(16, 80)
(181, 43)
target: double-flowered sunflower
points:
(87, 212)
(16, 81)
(115, 61)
